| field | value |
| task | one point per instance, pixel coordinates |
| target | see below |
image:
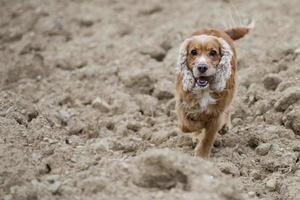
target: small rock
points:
(297, 51)
(271, 81)
(63, 116)
(263, 149)
(251, 194)
(290, 96)
(271, 184)
(101, 104)
(164, 89)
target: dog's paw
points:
(224, 130)
(201, 152)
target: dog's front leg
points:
(205, 144)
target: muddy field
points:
(87, 102)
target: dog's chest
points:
(204, 100)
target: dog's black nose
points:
(202, 68)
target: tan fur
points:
(211, 120)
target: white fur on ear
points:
(188, 80)
(224, 68)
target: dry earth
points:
(87, 102)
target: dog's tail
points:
(240, 31)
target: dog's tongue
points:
(202, 82)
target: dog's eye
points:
(194, 52)
(213, 53)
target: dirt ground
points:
(87, 102)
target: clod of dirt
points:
(146, 103)
(257, 175)
(101, 105)
(263, 149)
(279, 162)
(86, 21)
(27, 66)
(229, 168)
(69, 60)
(92, 185)
(155, 52)
(271, 184)
(253, 142)
(284, 85)
(296, 146)
(170, 40)
(164, 89)
(150, 10)
(292, 120)
(158, 170)
(271, 81)
(162, 136)
(131, 145)
(165, 169)
(134, 126)
(289, 96)
(53, 184)
(139, 82)
(75, 127)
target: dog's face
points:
(203, 57)
(204, 61)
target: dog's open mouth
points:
(202, 82)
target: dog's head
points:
(205, 60)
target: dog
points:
(206, 83)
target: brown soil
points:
(87, 102)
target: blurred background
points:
(88, 93)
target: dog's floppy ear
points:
(182, 56)
(239, 32)
(224, 67)
(182, 68)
